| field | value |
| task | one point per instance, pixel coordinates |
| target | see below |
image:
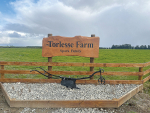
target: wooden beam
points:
(146, 64)
(73, 64)
(146, 79)
(140, 70)
(124, 81)
(50, 67)
(92, 61)
(64, 103)
(147, 71)
(5, 94)
(50, 59)
(12, 80)
(91, 68)
(2, 74)
(129, 95)
(72, 72)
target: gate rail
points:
(139, 74)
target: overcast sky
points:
(27, 22)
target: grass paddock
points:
(105, 56)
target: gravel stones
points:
(80, 110)
(55, 91)
(68, 110)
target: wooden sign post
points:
(92, 60)
(50, 59)
(70, 46)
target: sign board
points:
(70, 46)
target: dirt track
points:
(140, 103)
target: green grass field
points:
(105, 56)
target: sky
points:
(116, 22)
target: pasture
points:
(105, 56)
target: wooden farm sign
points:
(70, 46)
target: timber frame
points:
(114, 103)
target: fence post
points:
(149, 75)
(2, 74)
(92, 59)
(140, 70)
(50, 59)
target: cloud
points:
(18, 27)
(4, 39)
(56, 18)
(14, 34)
(20, 39)
(115, 21)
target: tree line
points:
(123, 46)
(20, 46)
(128, 46)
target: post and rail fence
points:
(139, 74)
(84, 44)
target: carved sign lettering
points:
(70, 46)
